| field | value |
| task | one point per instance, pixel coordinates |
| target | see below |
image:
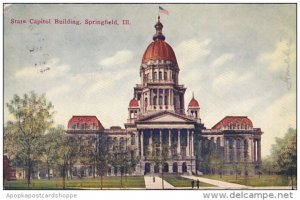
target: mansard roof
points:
(87, 120)
(233, 121)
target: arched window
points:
(155, 76)
(82, 126)
(165, 75)
(166, 100)
(160, 75)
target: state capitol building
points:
(160, 126)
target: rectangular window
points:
(160, 75)
(155, 76)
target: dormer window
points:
(74, 126)
(92, 126)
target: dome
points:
(133, 103)
(194, 103)
(159, 50)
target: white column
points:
(157, 99)
(250, 150)
(255, 150)
(242, 150)
(178, 142)
(192, 143)
(163, 103)
(226, 149)
(142, 143)
(160, 141)
(233, 150)
(150, 98)
(169, 98)
(169, 131)
(188, 143)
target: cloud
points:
(120, 57)
(52, 69)
(228, 80)
(58, 92)
(192, 50)
(225, 80)
(276, 119)
(277, 59)
(226, 57)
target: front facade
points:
(163, 134)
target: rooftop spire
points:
(158, 26)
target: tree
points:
(11, 148)
(71, 151)
(53, 142)
(119, 160)
(102, 156)
(284, 153)
(67, 155)
(33, 115)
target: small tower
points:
(133, 110)
(194, 109)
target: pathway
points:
(157, 185)
(221, 184)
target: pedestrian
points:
(193, 183)
(198, 183)
(153, 179)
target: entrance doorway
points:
(184, 167)
(166, 167)
(156, 169)
(175, 167)
(147, 168)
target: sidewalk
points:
(157, 185)
(221, 184)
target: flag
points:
(164, 11)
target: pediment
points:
(166, 117)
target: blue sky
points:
(235, 58)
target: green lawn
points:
(264, 180)
(178, 181)
(76, 183)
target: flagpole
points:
(158, 12)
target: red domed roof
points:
(133, 103)
(159, 50)
(234, 121)
(87, 120)
(194, 103)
